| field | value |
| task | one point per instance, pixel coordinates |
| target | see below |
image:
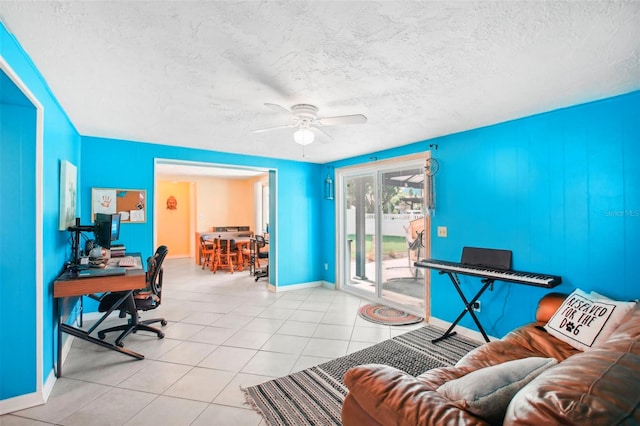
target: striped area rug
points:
(314, 396)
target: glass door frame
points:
(375, 169)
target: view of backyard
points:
(393, 246)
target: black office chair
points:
(144, 300)
(261, 244)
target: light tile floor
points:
(225, 332)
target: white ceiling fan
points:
(305, 118)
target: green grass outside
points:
(392, 245)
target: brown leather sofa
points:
(596, 387)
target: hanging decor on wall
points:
(328, 186)
(431, 168)
(130, 203)
(172, 203)
(68, 191)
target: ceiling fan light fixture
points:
(303, 136)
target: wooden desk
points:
(68, 284)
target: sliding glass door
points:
(384, 225)
(402, 235)
(360, 232)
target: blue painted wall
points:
(550, 188)
(108, 163)
(61, 142)
(561, 190)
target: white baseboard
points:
(310, 284)
(463, 331)
(327, 284)
(21, 402)
(68, 341)
(39, 397)
(47, 388)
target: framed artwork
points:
(68, 194)
(131, 204)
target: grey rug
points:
(405, 286)
(314, 396)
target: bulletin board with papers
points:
(131, 204)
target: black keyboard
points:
(529, 278)
(93, 272)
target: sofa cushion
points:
(530, 340)
(596, 388)
(629, 330)
(487, 392)
(585, 321)
(393, 397)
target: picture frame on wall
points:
(68, 195)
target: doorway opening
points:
(21, 156)
(194, 197)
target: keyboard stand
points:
(468, 306)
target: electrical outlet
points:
(442, 231)
(476, 306)
(326, 266)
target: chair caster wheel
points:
(160, 335)
(163, 322)
(101, 336)
(120, 344)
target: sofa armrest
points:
(548, 305)
(393, 397)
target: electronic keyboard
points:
(490, 265)
(528, 278)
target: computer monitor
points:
(107, 229)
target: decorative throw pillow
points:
(586, 320)
(487, 392)
(614, 323)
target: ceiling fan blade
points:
(342, 119)
(267, 129)
(327, 135)
(279, 108)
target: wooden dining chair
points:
(225, 255)
(244, 253)
(207, 250)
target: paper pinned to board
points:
(104, 201)
(136, 215)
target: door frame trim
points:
(42, 391)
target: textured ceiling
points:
(197, 73)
